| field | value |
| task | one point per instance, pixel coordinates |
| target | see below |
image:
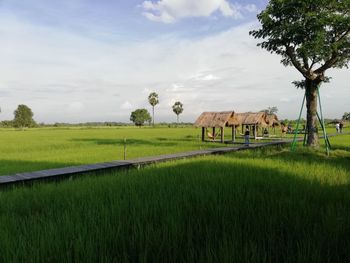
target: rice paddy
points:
(270, 205)
(45, 148)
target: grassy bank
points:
(263, 206)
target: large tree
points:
(153, 100)
(312, 36)
(346, 116)
(23, 117)
(178, 108)
(140, 116)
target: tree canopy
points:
(153, 99)
(23, 117)
(178, 109)
(313, 36)
(140, 116)
(346, 116)
(270, 110)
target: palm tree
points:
(178, 109)
(153, 100)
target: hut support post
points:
(222, 134)
(214, 135)
(255, 135)
(233, 133)
(203, 130)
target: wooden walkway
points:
(60, 173)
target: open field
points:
(264, 206)
(38, 149)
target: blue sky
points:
(88, 60)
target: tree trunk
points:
(311, 115)
(153, 115)
(177, 115)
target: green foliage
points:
(178, 109)
(313, 36)
(153, 99)
(264, 206)
(23, 117)
(6, 124)
(140, 116)
(346, 116)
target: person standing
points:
(337, 127)
(341, 125)
(246, 136)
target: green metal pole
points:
(319, 119)
(322, 121)
(297, 129)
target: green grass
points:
(271, 205)
(45, 148)
(37, 149)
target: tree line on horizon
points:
(23, 118)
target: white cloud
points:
(207, 77)
(251, 8)
(126, 106)
(283, 99)
(76, 107)
(169, 11)
(65, 77)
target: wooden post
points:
(214, 135)
(222, 134)
(203, 129)
(233, 133)
(255, 132)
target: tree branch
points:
(291, 54)
(328, 64)
(306, 62)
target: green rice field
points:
(268, 205)
(38, 149)
(45, 148)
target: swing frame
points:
(320, 119)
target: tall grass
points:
(262, 206)
(38, 149)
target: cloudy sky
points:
(88, 60)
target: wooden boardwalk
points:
(60, 173)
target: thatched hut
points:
(254, 120)
(216, 120)
(272, 120)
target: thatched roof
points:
(215, 119)
(230, 118)
(250, 118)
(272, 120)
